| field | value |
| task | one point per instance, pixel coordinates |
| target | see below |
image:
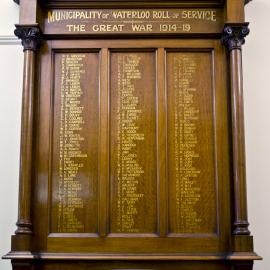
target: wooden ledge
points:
(246, 256)
(238, 256)
(23, 255)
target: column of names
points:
(186, 117)
(71, 156)
(129, 171)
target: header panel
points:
(133, 21)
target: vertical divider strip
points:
(103, 143)
(162, 144)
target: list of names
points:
(129, 169)
(71, 156)
(186, 117)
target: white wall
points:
(257, 118)
(11, 61)
(9, 15)
(257, 108)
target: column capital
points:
(30, 36)
(233, 36)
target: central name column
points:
(129, 170)
(133, 143)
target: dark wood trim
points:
(23, 265)
(243, 265)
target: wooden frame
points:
(222, 239)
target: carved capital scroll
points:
(234, 34)
(30, 36)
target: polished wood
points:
(30, 36)
(89, 172)
(238, 142)
(24, 220)
(233, 39)
(132, 137)
(162, 162)
(104, 145)
(235, 11)
(53, 240)
(29, 10)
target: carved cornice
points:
(30, 36)
(234, 34)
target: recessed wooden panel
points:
(133, 180)
(75, 143)
(191, 160)
(136, 79)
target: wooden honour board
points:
(135, 146)
(136, 115)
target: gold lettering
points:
(60, 15)
(108, 27)
(131, 20)
(71, 157)
(188, 195)
(50, 16)
(207, 15)
(134, 14)
(76, 28)
(129, 171)
(142, 27)
(161, 15)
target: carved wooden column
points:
(31, 38)
(233, 38)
